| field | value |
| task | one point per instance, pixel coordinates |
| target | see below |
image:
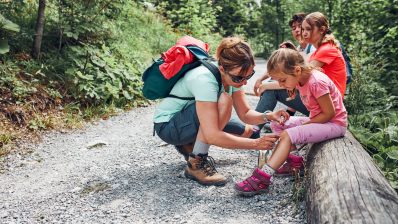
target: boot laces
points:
(207, 164)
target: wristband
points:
(265, 115)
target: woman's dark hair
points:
(298, 17)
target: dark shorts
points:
(183, 127)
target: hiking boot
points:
(294, 165)
(185, 150)
(257, 183)
(201, 169)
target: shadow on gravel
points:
(227, 162)
(158, 192)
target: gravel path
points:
(132, 177)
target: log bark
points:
(345, 186)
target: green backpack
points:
(156, 86)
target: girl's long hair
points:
(317, 19)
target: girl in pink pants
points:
(327, 119)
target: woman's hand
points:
(271, 85)
(261, 89)
(266, 142)
(281, 116)
(257, 85)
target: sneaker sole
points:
(219, 184)
(251, 194)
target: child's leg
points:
(260, 179)
(292, 122)
(315, 132)
(281, 152)
(310, 133)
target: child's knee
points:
(284, 136)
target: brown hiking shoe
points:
(201, 169)
(185, 150)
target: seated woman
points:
(201, 122)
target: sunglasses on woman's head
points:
(238, 78)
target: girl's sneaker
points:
(257, 183)
(294, 164)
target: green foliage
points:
(94, 50)
(8, 25)
(365, 94)
(37, 124)
(12, 86)
(97, 76)
(24, 14)
(372, 103)
(193, 17)
(373, 116)
(234, 17)
(5, 138)
(5, 27)
(378, 133)
(269, 24)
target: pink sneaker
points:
(294, 164)
(257, 183)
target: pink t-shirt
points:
(318, 85)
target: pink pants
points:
(309, 133)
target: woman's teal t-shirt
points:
(199, 83)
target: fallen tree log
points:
(345, 186)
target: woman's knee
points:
(225, 104)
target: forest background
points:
(63, 62)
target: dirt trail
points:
(131, 177)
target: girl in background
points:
(328, 55)
(327, 119)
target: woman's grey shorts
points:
(183, 127)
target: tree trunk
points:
(278, 23)
(330, 11)
(39, 29)
(345, 186)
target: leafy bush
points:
(373, 117)
(98, 76)
(194, 17)
(365, 93)
(378, 133)
(5, 27)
